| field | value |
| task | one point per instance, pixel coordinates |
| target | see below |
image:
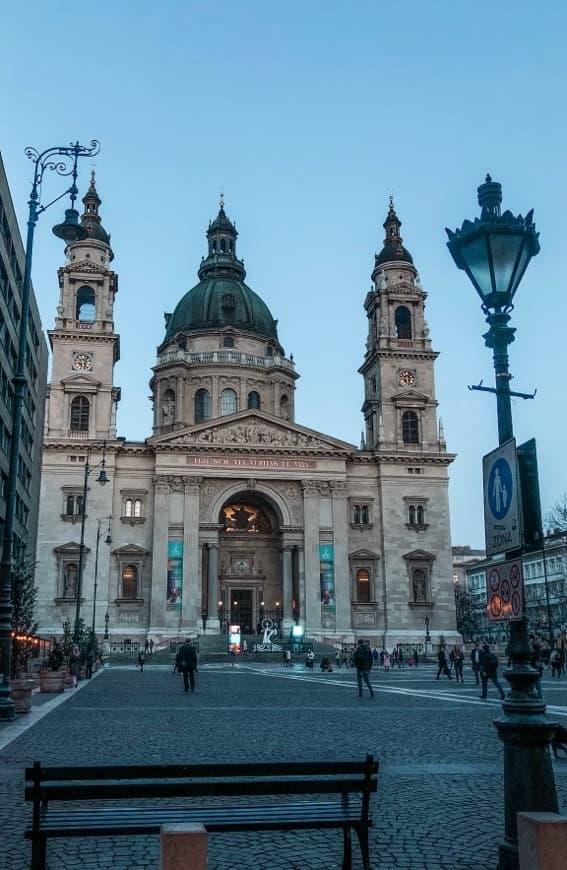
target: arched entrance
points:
(250, 574)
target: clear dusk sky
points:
(309, 113)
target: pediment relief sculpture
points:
(250, 434)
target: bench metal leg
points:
(362, 834)
(39, 853)
(347, 850)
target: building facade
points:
(231, 511)
(12, 259)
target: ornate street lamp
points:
(495, 250)
(427, 635)
(102, 479)
(108, 541)
(106, 621)
(62, 160)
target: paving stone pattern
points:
(439, 803)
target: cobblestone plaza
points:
(439, 802)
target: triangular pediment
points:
(412, 397)
(364, 554)
(81, 382)
(70, 548)
(255, 430)
(86, 266)
(419, 556)
(130, 550)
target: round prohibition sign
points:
(515, 576)
(495, 606)
(505, 591)
(516, 603)
(494, 579)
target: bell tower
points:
(82, 399)
(399, 406)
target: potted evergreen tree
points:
(24, 627)
(52, 676)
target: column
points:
(192, 585)
(179, 397)
(213, 624)
(301, 583)
(288, 620)
(159, 556)
(342, 578)
(312, 573)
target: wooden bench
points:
(338, 797)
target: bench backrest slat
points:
(81, 790)
(187, 771)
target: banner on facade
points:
(174, 574)
(327, 577)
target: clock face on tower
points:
(407, 379)
(83, 362)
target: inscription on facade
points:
(250, 462)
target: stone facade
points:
(231, 512)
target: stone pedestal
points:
(183, 846)
(542, 841)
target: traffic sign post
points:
(505, 591)
(502, 526)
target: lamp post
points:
(63, 160)
(495, 251)
(108, 540)
(106, 621)
(102, 479)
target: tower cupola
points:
(222, 261)
(90, 218)
(393, 250)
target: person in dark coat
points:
(459, 662)
(475, 661)
(363, 663)
(415, 657)
(75, 665)
(186, 663)
(442, 661)
(489, 671)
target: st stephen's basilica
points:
(231, 511)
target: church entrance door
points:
(241, 610)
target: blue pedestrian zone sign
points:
(502, 525)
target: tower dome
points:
(90, 218)
(393, 250)
(221, 298)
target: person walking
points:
(489, 671)
(151, 647)
(386, 660)
(89, 662)
(415, 657)
(475, 661)
(536, 662)
(147, 647)
(244, 647)
(400, 658)
(363, 663)
(75, 665)
(442, 661)
(186, 663)
(555, 662)
(141, 660)
(459, 662)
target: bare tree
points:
(556, 517)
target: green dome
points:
(219, 302)
(221, 298)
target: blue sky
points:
(309, 113)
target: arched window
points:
(254, 399)
(79, 505)
(411, 515)
(228, 402)
(214, 245)
(70, 576)
(364, 515)
(223, 245)
(128, 507)
(410, 428)
(403, 322)
(363, 586)
(85, 304)
(129, 581)
(138, 507)
(420, 515)
(284, 407)
(202, 406)
(80, 414)
(356, 514)
(70, 505)
(419, 585)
